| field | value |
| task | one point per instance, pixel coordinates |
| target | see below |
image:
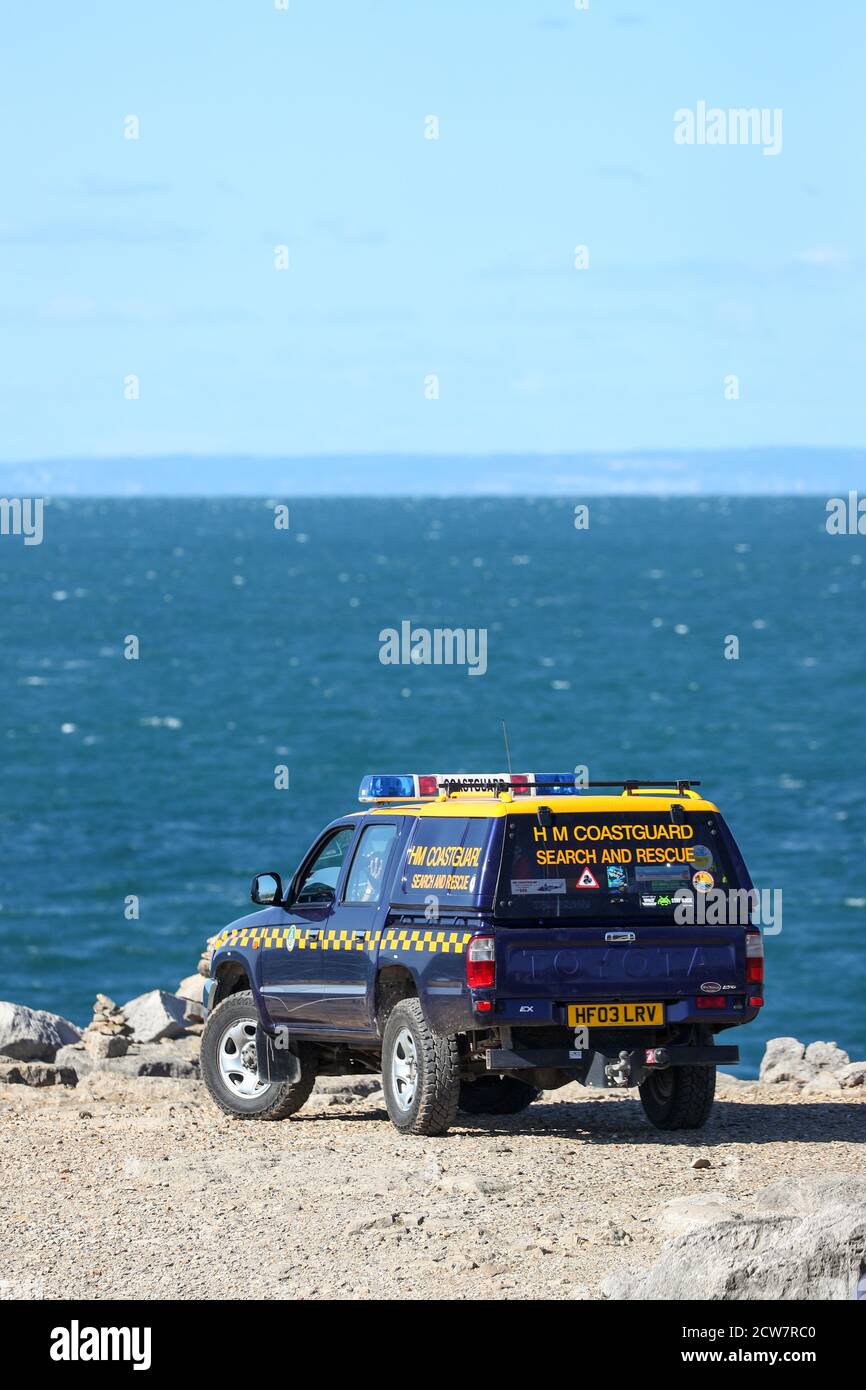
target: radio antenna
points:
(507, 749)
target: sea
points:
(193, 687)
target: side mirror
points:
(267, 890)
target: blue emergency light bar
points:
(412, 786)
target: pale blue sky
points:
(410, 256)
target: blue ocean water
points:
(260, 647)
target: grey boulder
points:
(155, 1015)
(144, 1059)
(33, 1035)
(36, 1074)
(852, 1075)
(814, 1255)
(808, 1194)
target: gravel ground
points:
(142, 1189)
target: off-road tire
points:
(434, 1107)
(496, 1095)
(679, 1097)
(274, 1102)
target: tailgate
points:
(664, 963)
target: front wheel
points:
(230, 1071)
(679, 1097)
(420, 1072)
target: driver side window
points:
(319, 882)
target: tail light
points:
(481, 963)
(755, 966)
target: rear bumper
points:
(608, 1071)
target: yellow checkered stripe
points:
(331, 939)
(445, 942)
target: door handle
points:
(359, 931)
(313, 931)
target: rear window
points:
(610, 865)
(443, 859)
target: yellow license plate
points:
(616, 1015)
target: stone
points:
(141, 1059)
(152, 1059)
(824, 1084)
(810, 1194)
(784, 1059)
(102, 1045)
(681, 1213)
(701, 1163)
(852, 1075)
(155, 1015)
(826, 1056)
(816, 1256)
(36, 1074)
(191, 991)
(33, 1035)
(76, 1056)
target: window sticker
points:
(537, 885)
(703, 881)
(702, 857)
(662, 871)
(587, 880)
(617, 877)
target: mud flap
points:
(276, 1060)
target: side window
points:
(319, 883)
(367, 874)
(445, 857)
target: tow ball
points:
(618, 1073)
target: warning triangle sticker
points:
(587, 880)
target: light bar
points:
(413, 786)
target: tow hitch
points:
(617, 1073)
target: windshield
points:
(610, 865)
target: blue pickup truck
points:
(477, 939)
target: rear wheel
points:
(230, 1072)
(679, 1097)
(496, 1095)
(420, 1072)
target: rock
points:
(815, 1256)
(203, 967)
(372, 1223)
(681, 1213)
(469, 1185)
(824, 1084)
(191, 991)
(784, 1060)
(76, 1056)
(153, 1059)
(142, 1059)
(33, 1034)
(826, 1056)
(155, 1015)
(701, 1163)
(36, 1074)
(108, 1022)
(809, 1194)
(852, 1075)
(347, 1085)
(101, 1045)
